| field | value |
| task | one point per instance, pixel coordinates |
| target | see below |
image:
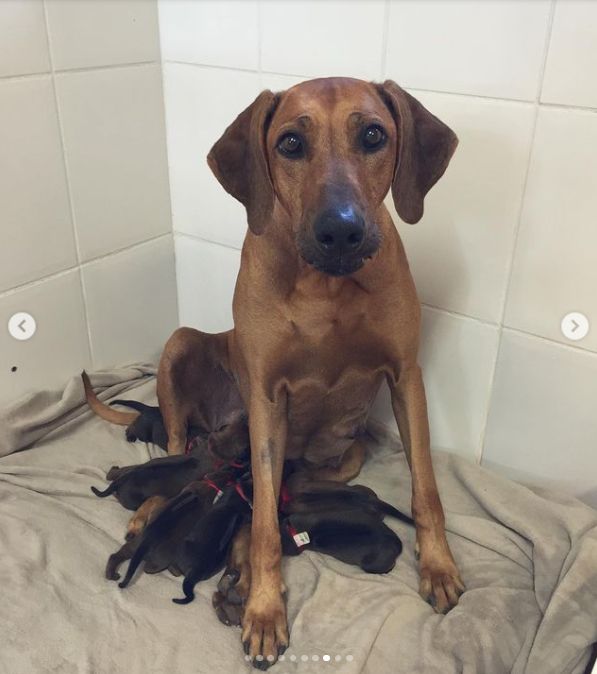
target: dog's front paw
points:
(265, 631)
(441, 585)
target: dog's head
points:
(329, 150)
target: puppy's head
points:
(328, 151)
(231, 441)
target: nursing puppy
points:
(345, 522)
(171, 520)
(192, 534)
(167, 476)
(301, 494)
(351, 535)
(158, 544)
(226, 427)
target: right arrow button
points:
(575, 326)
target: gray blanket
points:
(527, 556)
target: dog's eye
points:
(373, 137)
(291, 145)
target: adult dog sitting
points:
(325, 310)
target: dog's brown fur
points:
(315, 337)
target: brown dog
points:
(325, 310)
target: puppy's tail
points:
(388, 509)
(103, 411)
(188, 587)
(134, 404)
(102, 494)
(136, 559)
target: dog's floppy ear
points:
(239, 161)
(425, 147)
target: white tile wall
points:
(572, 62)
(488, 69)
(489, 48)
(200, 104)
(114, 172)
(99, 33)
(116, 155)
(33, 191)
(23, 40)
(58, 349)
(456, 356)
(542, 427)
(555, 268)
(315, 38)
(211, 32)
(131, 303)
(461, 250)
(206, 275)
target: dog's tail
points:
(103, 411)
(388, 509)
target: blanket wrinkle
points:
(527, 555)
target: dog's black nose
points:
(339, 231)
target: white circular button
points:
(22, 326)
(575, 326)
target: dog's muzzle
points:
(340, 242)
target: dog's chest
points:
(333, 365)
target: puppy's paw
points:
(229, 613)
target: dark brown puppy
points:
(143, 488)
(193, 532)
(350, 535)
(175, 519)
(166, 476)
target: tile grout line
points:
(573, 348)
(66, 71)
(460, 315)
(446, 312)
(168, 164)
(462, 94)
(140, 64)
(68, 187)
(259, 47)
(196, 237)
(384, 40)
(81, 265)
(515, 238)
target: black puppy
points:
(350, 535)
(343, 521)
(193, 533)
(158, 544)
(149, 425)
(167, 476)
(300, 494)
